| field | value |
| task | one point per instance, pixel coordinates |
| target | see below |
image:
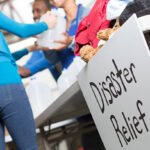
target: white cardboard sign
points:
(116, 86)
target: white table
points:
(68, 105)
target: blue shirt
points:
(37, 62)
(8, 67)
(67, 55)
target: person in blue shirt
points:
(15, 110)
(37, 62)
(74, 14)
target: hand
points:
(64, 43)
(50, 19)
(24, 72)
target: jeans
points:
(16, 115)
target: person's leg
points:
(2, 140)
(55, 63)
(18, 118)
(55, 73)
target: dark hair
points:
(49, 6)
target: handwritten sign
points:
(116, 86)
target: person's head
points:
(39, 8)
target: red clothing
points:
(90, 25)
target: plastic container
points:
(48, 37)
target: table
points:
(70, 104)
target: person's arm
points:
(38, 65)
(64, 43)
(19, 54)
(25, 30)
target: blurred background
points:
(21, 11)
